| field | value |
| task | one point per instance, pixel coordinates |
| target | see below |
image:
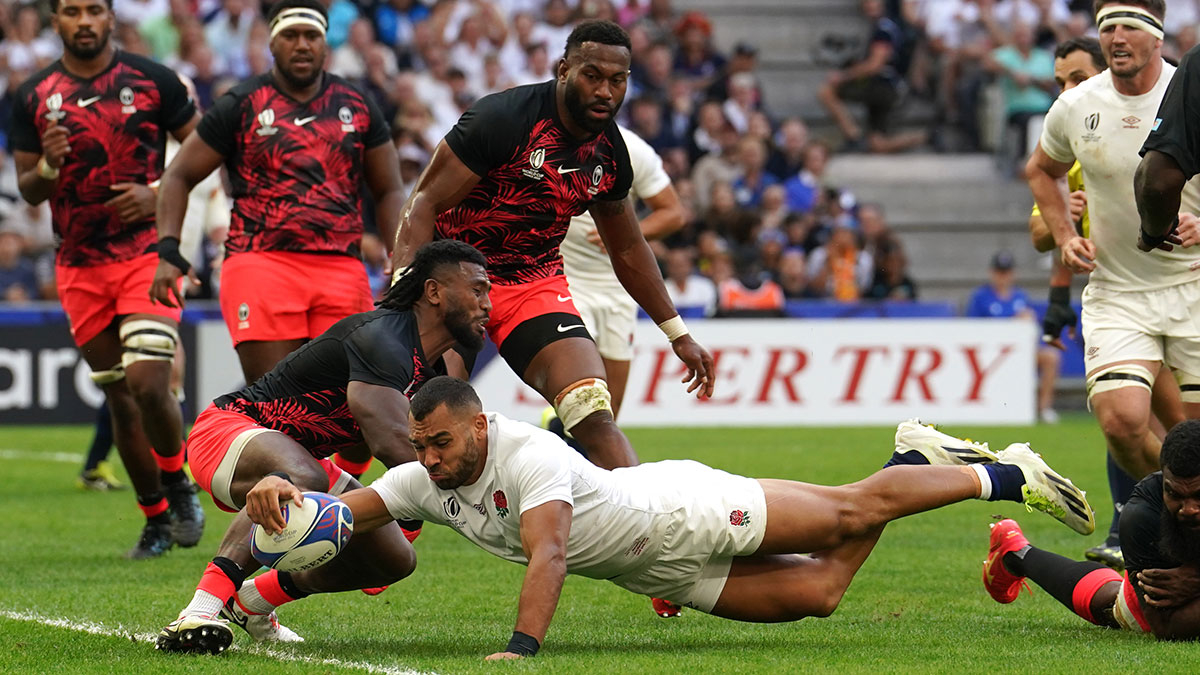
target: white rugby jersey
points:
(620, 517)
(583, 261)
(1104, 130)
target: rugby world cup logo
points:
(54, 106)
(597, 174)
(1092, 121)
(537, 158)
(266, 122)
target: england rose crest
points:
(739, 518)
(501, 503)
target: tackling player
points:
(508, 178)
(299, 144)
(724, 544)
(89, 133)
(1135, 319)
(349, 386)
(1160, 537)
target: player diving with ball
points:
(752, 550)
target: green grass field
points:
(917, 605)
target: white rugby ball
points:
(315, 532)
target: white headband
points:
(295, 16)
(1128, 15)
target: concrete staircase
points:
(952, 212)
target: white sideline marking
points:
(121, 631)
(64, 457)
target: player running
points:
(89, 134)
(1075, 61)
(1160, 537)
(299, 144)
(507, 179)
(1135, 317)
(349, 386)
(679, 530)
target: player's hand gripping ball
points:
(315, 532)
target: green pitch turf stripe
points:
(126, 634)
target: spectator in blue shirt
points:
(18, 280)
(1000, 298)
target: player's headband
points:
(1128, 15)
(297, 16)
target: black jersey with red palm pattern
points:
(118, 123)
(535, 178)
(296, 168)
(304, 396)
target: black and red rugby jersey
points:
(304, 396)
(118, 123)
(536, 177)
(296, 168)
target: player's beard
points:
(86, 53)
(298, 82)
(468, 461)
(578, 110)
(461, 325)
(1179, 542)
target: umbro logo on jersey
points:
(85, 102)
(564, 329)
(1131, 122)
(301, 121)
(562, 170)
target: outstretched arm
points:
(545, 530)
(638, 272)
(442, 186)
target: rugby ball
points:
(315, 532)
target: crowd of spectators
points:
(763, 226)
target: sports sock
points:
(356, 469)
(411, 529)
(219, 582)
(154, 506)
(276, 588)
(999, 482)
(251, 601)
(901, 458)
(1073, 583)
(1120, 486)
(102, 440)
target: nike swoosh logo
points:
(562, 170)
(85, 102)
(563, 329)
(564, 298)
(301, 121)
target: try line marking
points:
(63, 457)
(122, 632)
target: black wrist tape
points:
(168, 250)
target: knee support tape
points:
(574, 403)
(103, 377)
(1118, 376)
(1189, 386)
(147, 340)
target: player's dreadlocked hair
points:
(1181, 449)
(458, 395)
(598, 31)
(411, 285)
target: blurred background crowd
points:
(764, 223)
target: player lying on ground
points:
(1160, 528)
(678, 530)
(345, 388)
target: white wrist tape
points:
(673, 328)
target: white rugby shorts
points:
(609, 316)
(1156, 325)
(723, 516)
